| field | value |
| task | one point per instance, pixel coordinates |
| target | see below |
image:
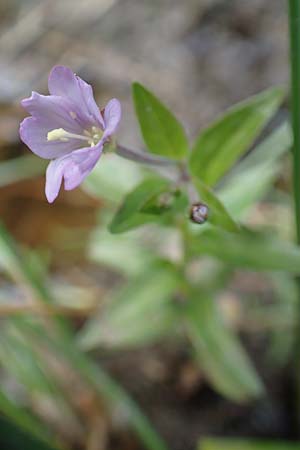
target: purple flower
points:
(68, 128)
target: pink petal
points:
(72, 168)
(112, 117)
(63, 82)
(54, 176)
(53, 111)
(84, 160)
(33, 132)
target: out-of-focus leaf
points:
(124, 253)
(162, 132)
(14, 438)
(100, 381)
(248, 249)
(269, 150)
(139, 205)
(218, 214)
(19, 269)
(245, 188)
(140, 314)
(282, 338)
(112, 178)
(246, 444)
(24, 421)
(19, 359)
(254, 175)
(21, 168)
(220, 353)
(28, 365)
(221, 144)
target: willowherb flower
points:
(68, 128)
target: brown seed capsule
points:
(199, 213)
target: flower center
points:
(92, 137)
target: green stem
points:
(294, 25)
(294, 20)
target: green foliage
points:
(218, 215)
(221, 144)
(14, 438)
(126, 253)
(254, 175)
(60, 340)
(246, 444)
(144, 204)
(20, 269)
(162, 132)
(249, 250)
(140, 314)
(25, 422)
(219, 352)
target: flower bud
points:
(199, 213)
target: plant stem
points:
(143, 157)
(294, 19)
(294, 26)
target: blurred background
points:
(199, 56)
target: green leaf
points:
(221, 144)
(140, 314)
(248, 249)
(270, 150)
(25, 422)
(246, 444)
(162, 133)
(136, 209)
(220, 353)
(254, 175)
(246, 188)
(218, 214)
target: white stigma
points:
(59, 134)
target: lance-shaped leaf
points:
(145, 204)
(220, 353)
(162, 132)
(221, 144)
(218, 214)
(248, 249)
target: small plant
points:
(199, 194)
